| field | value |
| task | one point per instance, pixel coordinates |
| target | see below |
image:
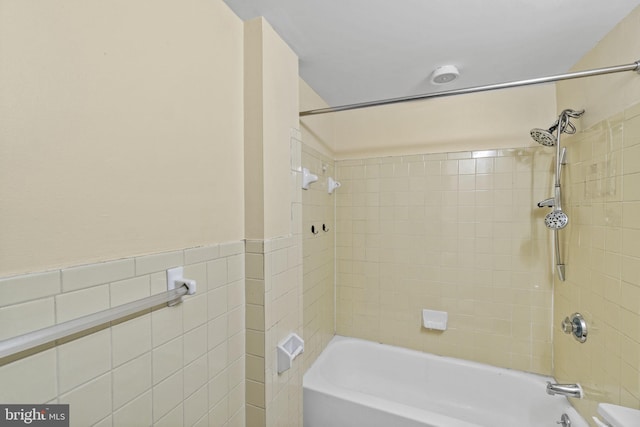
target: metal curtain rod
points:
(576, 75)
(34, 339)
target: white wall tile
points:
(26, 317)
(217, 302)
(195, 343)
(137, 412)
(132, 379)
(196, 407)
(231, 248)
(235, 266)
(158, 262)
(166, 324)
(194, 311)
(218, 389)
(105, 422)
(131, 338)
(217, 331)
(83, 359)
(14, 290)
(31, 379)
(167, 359)
(217, 273)
(72, 305)
(195, 375)
(129, 290)
(167, 395)
(91, 402)
(443, 228)
(96, 274)
(218, 359)
(201, 254)
(175, 418)
(168, 347)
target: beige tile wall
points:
(273, 311)
(319, 255)
(170, 366)
(458, 232)
(601, 245)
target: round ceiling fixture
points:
(444, 74)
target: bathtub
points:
(357, 383)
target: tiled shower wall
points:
(274, 297)
(171, 366)
(274, 310)
(458, 232)
(601, 246)
(319, 255)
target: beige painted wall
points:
(486, 120)
(605, 96)
(117, 141)
(271, 98)
(274, 244)
(600, 244)
(317, 131)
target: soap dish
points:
(433, 319)
(289, 349)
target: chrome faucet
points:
(569, 390)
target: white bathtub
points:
(357, 383)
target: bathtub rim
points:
(315, 382)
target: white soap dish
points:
(289, 349)
(432, 319)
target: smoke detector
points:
(444, 74)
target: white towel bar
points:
(33, 339)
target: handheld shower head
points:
(556, 219)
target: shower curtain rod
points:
(576, 75)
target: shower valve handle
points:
(567, 325)
(575, 325)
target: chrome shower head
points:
(545, 136)
(556, 219)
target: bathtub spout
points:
(569, 390)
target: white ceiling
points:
(363, 50)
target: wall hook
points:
(325, 228)
(313, 229)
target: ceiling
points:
(355, 51)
